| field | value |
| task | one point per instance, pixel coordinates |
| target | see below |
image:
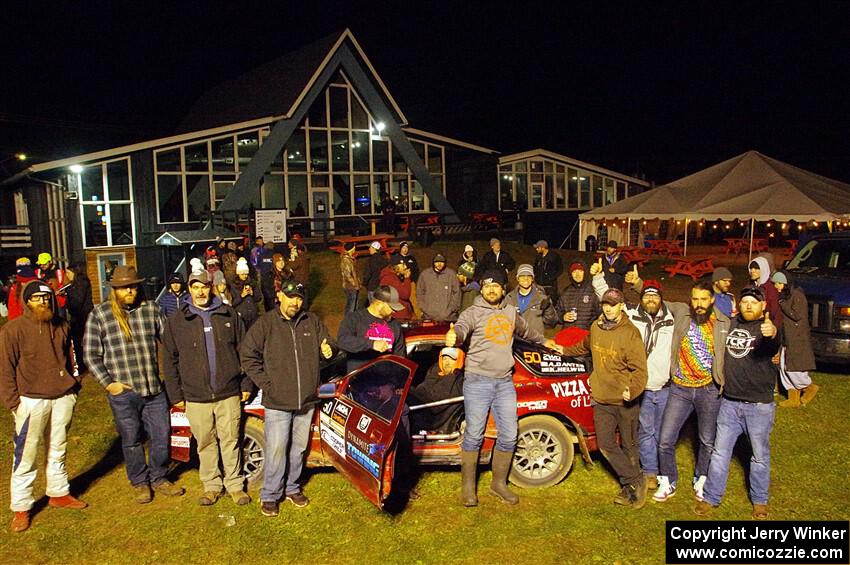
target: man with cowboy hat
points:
(120, 348)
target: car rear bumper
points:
(830, 348)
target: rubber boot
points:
(793, 399)
(502, 461)
(809, 393)
(468, 471)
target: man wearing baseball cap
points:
(578, 305)
(619, 377)
(204, 376)
(121, 340)
(438, 291)
(38, 383)
(54, 276)
(281, 354)
(548, 266)
(372, 331)
(615, 265)
(654, 319)
(747, 405)
(490, 326)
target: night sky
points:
(663, 91)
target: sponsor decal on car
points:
(358, 441)
(565, 389)
(333, 439)
(363, 460)
(341, 413)
(552, 364)
(575, 390)
(533, 404)
(256, 402)
(179, 420)
(364, 422)
(180, 441)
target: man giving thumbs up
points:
(747, 403)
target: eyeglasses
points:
(40, 298)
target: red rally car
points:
(355, 424)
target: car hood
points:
(821, 282)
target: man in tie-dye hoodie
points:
(696, 381)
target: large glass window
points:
(584, 189)
(572, 188)
(342, 194)
(339, 139)
(597, 191)
(296, 152)
(106, 203)
(297, 185)
(339, 107)
(319, 150)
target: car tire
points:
(253, 450)
(544, 454)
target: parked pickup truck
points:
(821, 267)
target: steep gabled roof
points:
(275, 88)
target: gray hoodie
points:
(438, 294)
(491, 330)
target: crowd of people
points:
(240, 323)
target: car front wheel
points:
(544, 452)
(253, 450)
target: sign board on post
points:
(271, 224)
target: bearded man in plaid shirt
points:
(120, 346)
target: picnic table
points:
(694, 267)
(666, 247)
(736, 244)
(759, 244)
(361, 243)
(639, 255)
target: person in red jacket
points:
(23, 274)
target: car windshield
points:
(379, 387)
(833, 254)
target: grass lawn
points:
(573, 522)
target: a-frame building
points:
(315, 131)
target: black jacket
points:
(186, 368)
(581, 297)
(282, 358)
(615, 272)
(247, 307)
(79, 302)
(489, 262)
(548, 268)
(374, 264)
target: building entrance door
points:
(320, 211)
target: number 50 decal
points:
(532, 356)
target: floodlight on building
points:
(76, 169)
(21, 156)
(380, 126)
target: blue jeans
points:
(480, 395)
(287, 435)
(652, 404)
(351, 297)
(132, 412)
(705, 401)
(736, 418)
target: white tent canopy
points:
(751, 186)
